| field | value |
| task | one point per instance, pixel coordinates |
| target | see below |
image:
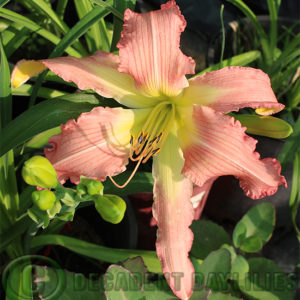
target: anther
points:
(152, 141)
(145, 136)
(158, 138)
(141, 138)
(156, 151)
(131, 140)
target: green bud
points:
(94, 187)
(110, 207)
(81, 189)
(44, 199)
(265, 126)
(38, 171)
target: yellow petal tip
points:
(24, 70)
(264, 111)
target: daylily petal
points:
(98, 72)
(216, 145)
(200, 195)
(99, 144)
(232, 88)
(149, 50)
(24, 70)
(174, 213)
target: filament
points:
(129, 179)
(151, 138)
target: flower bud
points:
(44, 199)
(93, 187)
(81, 189)
(38, 171)
(266, 126)
(110, 207)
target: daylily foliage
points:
(178, 122)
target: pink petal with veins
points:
(149, 50)
(174, 213)
(233, 88)
(98, 147)
(220, 147)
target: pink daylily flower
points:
(178, 122)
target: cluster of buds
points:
(39, 172)
(52, 199)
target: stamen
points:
(152, 141)
(151, 153)
(156, 151)
(130, 177)
(151, 138)
(158, 138)
(141, 138)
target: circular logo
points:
(33, 275)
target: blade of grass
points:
(273, 9)
(45, 9)
(10, 15)
(34, 120)
(223, 35)
(101, 253)
(110, 8)
(14, 231)
(289, 50)
(77, 31)
(9, 197)
(260, 31)
(238, 60)
(17, 41)
(61, 7)
(10, 32)
(286, 75)
(120, 6)
(46, 93)
(295, 193)
(277, 5)
(290, 147)
(3, 2)
(96, 37)
(5, 92)
(294, 94)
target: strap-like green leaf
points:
(26, 90)
(10, 15)
(96, 37)
(238, 60)
(120, 6)
(46, 115)
(295, 193)
(3, 2)
(290, 147)
(260, 31)
(76, 32)
(45, 9)
(61, 7)
(102, 253)
(9, 198)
